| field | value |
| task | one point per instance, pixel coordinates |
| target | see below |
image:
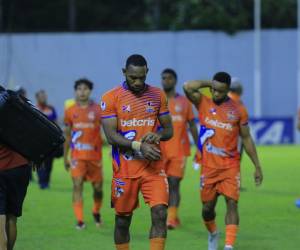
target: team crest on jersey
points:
(231, 116)
(178, 108)
(126, 108)
(91, 116)
(119, 191)
(150, 107)
(103, 106)
(213, 111)
(202, 178)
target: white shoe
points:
(228, 248)
(213, 239)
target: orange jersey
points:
(10, 159)
(85, 122)
(136, 116)
(181, 112)
(219, 132)
(235, 97)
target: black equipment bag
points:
(27, 130)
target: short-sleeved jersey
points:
(10, 159)
(219, 132)
(85, 123)
(235, 97)
(181, 112)
(136, 115)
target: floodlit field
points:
(269, 217)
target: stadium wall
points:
(53, 61)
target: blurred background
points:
(50, 44)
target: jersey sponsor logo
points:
(218, 124)
(126, 108)
(150, 107)
(177, 118)
(137, 123)
(103, 106)
(83, 146)
(83, 125)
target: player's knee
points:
(97, 187)
(231, 204)
(159, 214)
(173, 182)
(123, 222)
(77, 186)
(207, 209)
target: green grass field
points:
(269, 217)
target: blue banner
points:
(266, 131)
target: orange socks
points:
(211, 226)
(231, 232)
(172, 213)
(97, 206)
(124, 246)
(157, 243)
(78, 210)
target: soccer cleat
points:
(213, 239)
(97, 219)
(80, 225)
(228, 248)
(173, 224)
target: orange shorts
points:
(125, 192)
(89, 170)
(219, 181)
(175, 166)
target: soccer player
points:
(82, 133)
(14, 179)
(222, 121)
(236, 90)
(176, 150)
(44, 172)
(129, 114)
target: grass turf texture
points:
(269, 219)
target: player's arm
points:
(251, 152)
(165, 120)
(192, 90)
(166, 132)
(194, 130)
(67, 143)
(150, 152)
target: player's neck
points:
(220, 102)
(83, 104)
(171, 93)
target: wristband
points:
(136, 145)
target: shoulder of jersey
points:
(113, 91)
(70, 106)
(155, 89)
